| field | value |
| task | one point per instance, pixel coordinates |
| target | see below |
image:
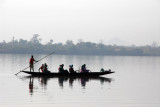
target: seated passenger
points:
(71, 69)
(83, 69)
(102, 70)
(46, 68)
(61, 69)
(41, 68)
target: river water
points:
(135, 83)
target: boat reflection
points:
(43, 81)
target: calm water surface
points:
(135, 83)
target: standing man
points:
(31, 63)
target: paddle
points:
(35, 62)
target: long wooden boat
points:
(54, 74)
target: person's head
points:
(32, 56)
(84, 64)
(62, 65)
(70, 65)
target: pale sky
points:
(134, 21)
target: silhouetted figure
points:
(61, 69)
(31, 85)
(102, 70)
(31, 63)
(46, 68)
(83, 69)
(71, 69)
(41, 68)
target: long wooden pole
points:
(36, 62)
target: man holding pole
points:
(31, 63)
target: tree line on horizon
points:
(34, 46)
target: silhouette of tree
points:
(35, 39)
(81, 48)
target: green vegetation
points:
(34, 46)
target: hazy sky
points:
(134, 21)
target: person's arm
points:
(35, 60)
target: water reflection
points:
(43, 81)
(31, 85)
(83, 80)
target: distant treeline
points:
(34, 46)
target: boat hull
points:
(68, 74)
